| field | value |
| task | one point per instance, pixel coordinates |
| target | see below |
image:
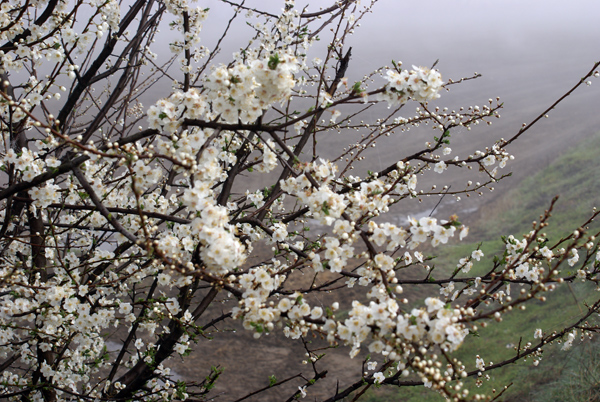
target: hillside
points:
(559, 376)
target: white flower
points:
(477, 254)
(284, 305)
(440, 167)
(546, 253)
(324, 99)
(334, 115)
(180, 348)
(429, 224)
(378, 377)
(574, 257)
(569, 342)
(479, 363)
(302, 391)
(447, 289)
(125, 308)
(376, 347)
(316, 313)
(164, 279)
(433, 304)
(489, 160)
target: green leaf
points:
(272, 380)
(181, 389)
(273, 61)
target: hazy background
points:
(529, 53)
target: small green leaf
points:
(273, 61)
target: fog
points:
(528, 52)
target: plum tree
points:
(123, 225)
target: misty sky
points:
(538, 39)
(530, 52)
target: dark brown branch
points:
(86, 78)
(98, 203)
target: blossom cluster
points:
(325, 205)
(420, 84)
(382, 322)
(244, 91)
(239, 93)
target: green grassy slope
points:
(574, 177)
